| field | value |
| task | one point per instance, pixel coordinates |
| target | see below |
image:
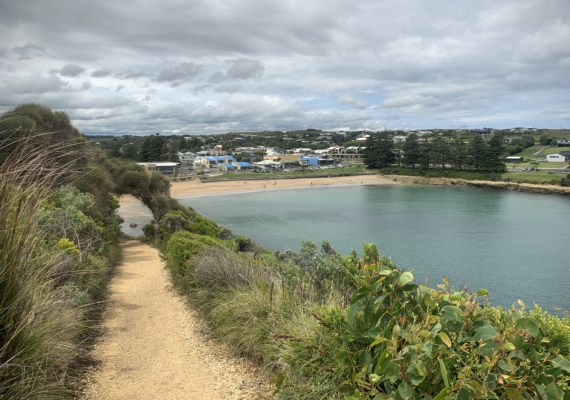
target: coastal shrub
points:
(556, 329)
(224, 233)
(404, 340)
(203, 226)
(37, 330)
(221, 268)
(243, 243)
(173, 221)
(181, 246)
(149, 231)
(349, 327)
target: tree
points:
(133, 180)
(43, 128)
(440, 151)
(425, 155)
(458, 154)
(411, 150)
(153, 149)
(477, 153)
(130, 152)
(494, 154)
(378, 152)
(545, 140)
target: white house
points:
(186, 158)
(555, 158)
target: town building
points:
(186, 158)
(165, 168)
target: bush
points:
(149, 231)
(244, 243)
(224, 233)
(181, 246)
(203, 226)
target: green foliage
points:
(68, 247)
(557, 330)
(378, 152)
(412, 150)
(149, 231)
(244, 243)
(153, 149)
(132, 179)
(181, 246)
(72, 215)
(57, 243)
(203, 226)
(404, 340)
(37, 330)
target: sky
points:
(185, 67)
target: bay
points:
(513, 244)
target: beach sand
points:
(196, 188)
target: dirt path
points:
(154, 347)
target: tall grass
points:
(37, 328)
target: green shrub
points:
(557, 330)
(149, 231)
(68, 247)
(203, 226)
(181, 246)
(224, 233)
(404, 340)
(244, 243)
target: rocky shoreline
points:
(519, 187)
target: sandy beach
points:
(196, 188)
(193, 188)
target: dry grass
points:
(37, 329)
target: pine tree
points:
(378, 152)
(424, 158)
(411, 150)
(477, 153)
(440, 151)
(153, 149)
(495, 153)
(459, 154)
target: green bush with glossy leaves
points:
(402, 340)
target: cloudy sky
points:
(191, 66)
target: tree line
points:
(476, 154)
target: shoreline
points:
(196, 188)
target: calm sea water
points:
(516, 245)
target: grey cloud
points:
(71, 70)
(241, 69)
(181, 72)
(217, 77)
(245, 69)
(229, 88)
(86, 85)
(393, 117)
(33, 84)
(447, 59)
(119, 88)
(358, 104)
(150, 94)
(131, 74)
(200, 88)
(101, 73)
(28, 51)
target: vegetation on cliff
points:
(331, 326)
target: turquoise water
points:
(513, 244)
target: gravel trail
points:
(154, 347)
